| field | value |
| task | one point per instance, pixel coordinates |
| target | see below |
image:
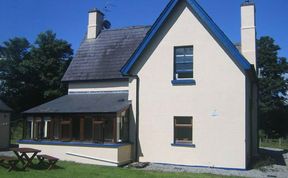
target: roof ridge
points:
(128, 27)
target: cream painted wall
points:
(80, 87)
(220, 88)
(87, 155)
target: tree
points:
(273, 85)
(31, 74)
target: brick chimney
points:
(95, 23)
(248, 31)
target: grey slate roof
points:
(103, 57)
(84, 103)
(4, 107)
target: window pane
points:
(76, 128)
(88, 129)
(183, 120)
(183, 134)
(65, 131)
(184, 66)
(56, 129)
(98, 132)
(189, 51)
(28, 130)
(179, 51)
(183, 63)
(108, 130)
(183, 130)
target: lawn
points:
(274, 143)
(74, 170)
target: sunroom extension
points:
(86, 119)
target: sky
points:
(68, 18)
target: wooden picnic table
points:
(23, 157)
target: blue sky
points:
(68, 18)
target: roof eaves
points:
(154, 29)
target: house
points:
(5, 112)
(177, 92)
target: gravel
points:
(271, 171)
(279, 169)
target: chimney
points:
(95, 23)
(248, 31)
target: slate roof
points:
(103, 57)
(84, 103)
(4, 107)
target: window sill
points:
(183, 145)
(183, 82)
(72, 143)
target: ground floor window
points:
(97, 128)
(183, 130)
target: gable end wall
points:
(220, 90)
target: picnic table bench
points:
(9, 161)
(23, 157)
(51, 160)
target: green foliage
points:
(273, 87)
(31, 73)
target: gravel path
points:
(279, 169)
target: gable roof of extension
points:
(206, 21)
(4, 107)
(103, 57)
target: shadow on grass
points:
(39, 167)
(269, 157)
(44, 166)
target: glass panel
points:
(189, 51)
(37, 130)
(186, 75)
(183, 130)
(183, 134)
(179, 51)
(184, 63)
(76, 128)
(29, 130)
(184, 66)
(87, 129)
(56, 129)
(65, 131)
(108, 130)
(124, 129)
(98, 132)
(183, 120)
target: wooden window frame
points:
(175, 125)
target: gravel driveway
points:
(279, 169)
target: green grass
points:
(74, 170)
(274, 143)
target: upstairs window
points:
(183, 63)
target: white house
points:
(177, 92)
(5, 112)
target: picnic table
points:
(23, 157)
